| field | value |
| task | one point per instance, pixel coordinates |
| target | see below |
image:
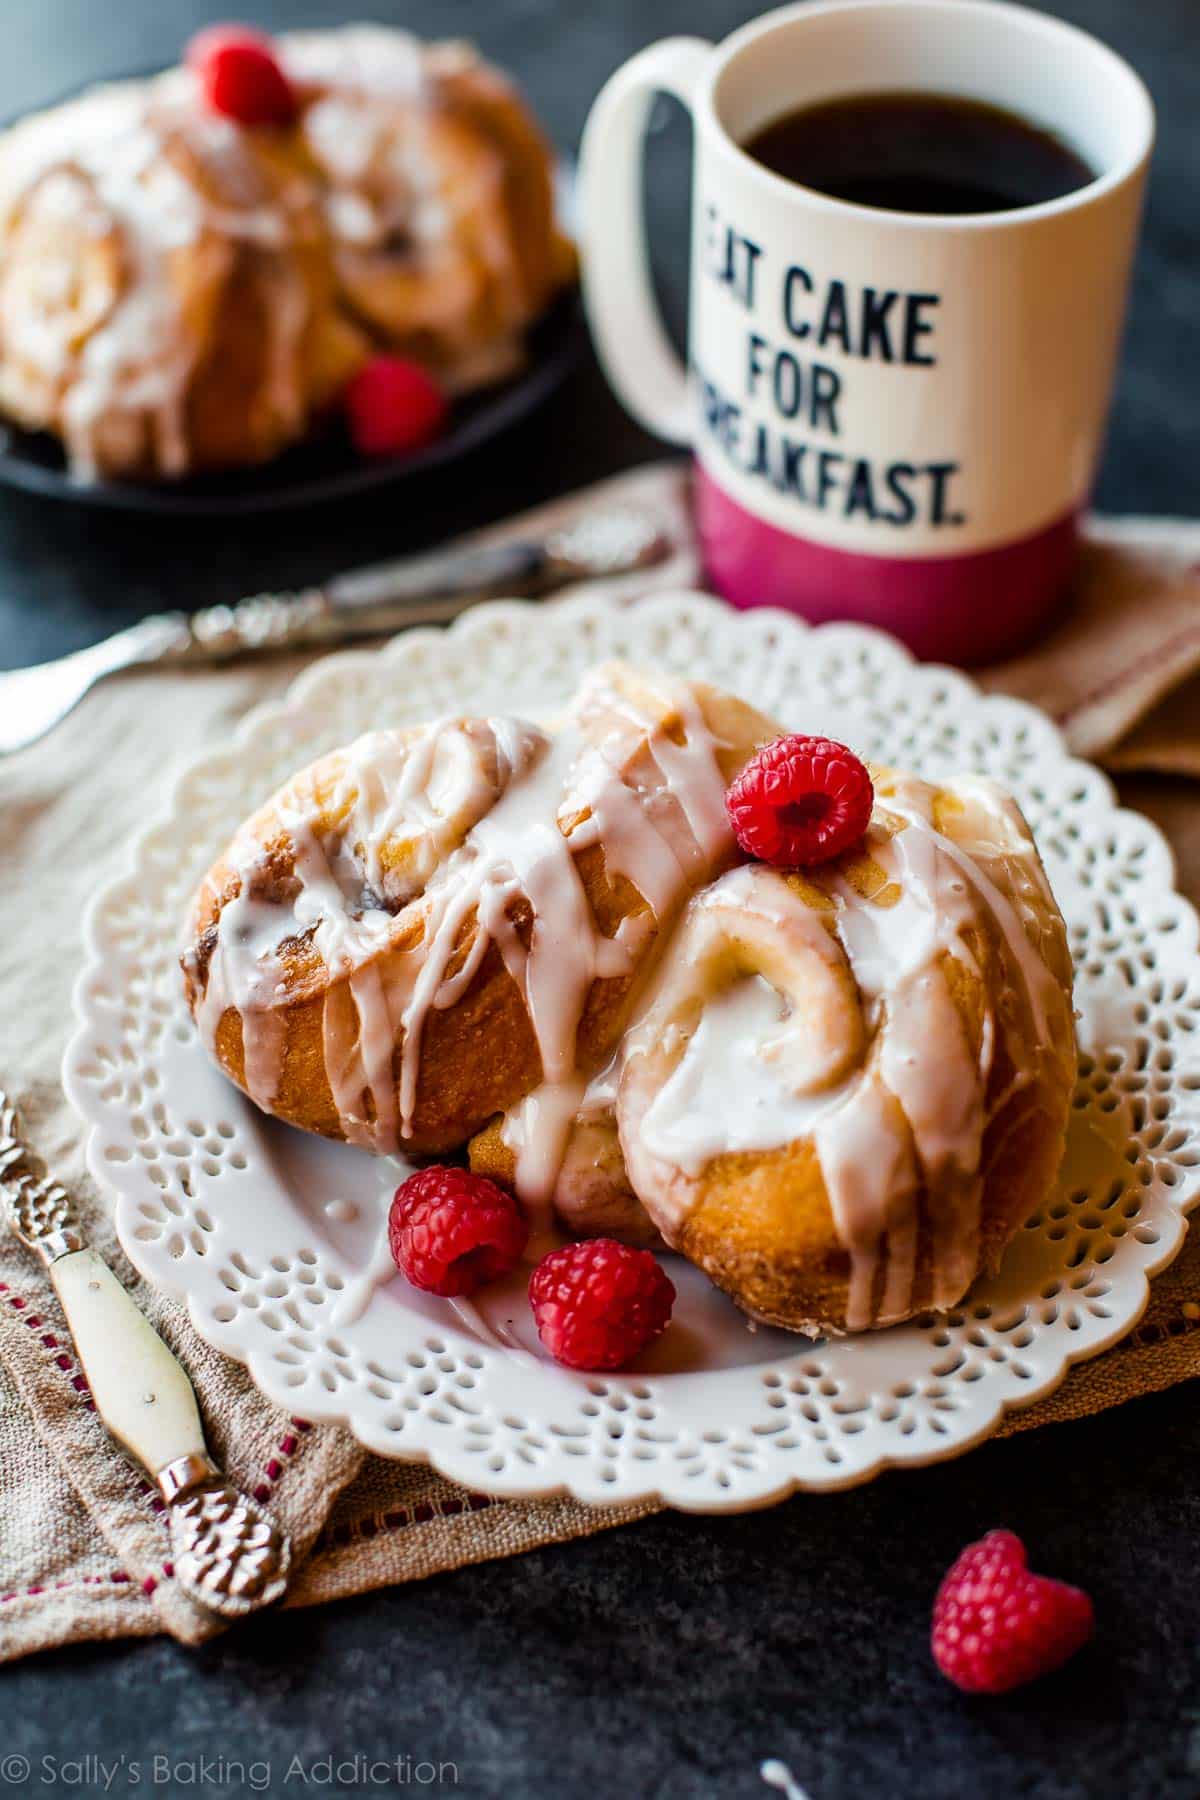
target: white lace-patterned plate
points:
(275, 1237)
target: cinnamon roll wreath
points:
(180, 292)
(836, 1090)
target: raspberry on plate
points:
(451, 1232)
(599, 1303)
(240, 75)
(800, 800)
(393, 405)
(996, 1625)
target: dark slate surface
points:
(669, 1658)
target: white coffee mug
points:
(896, 417)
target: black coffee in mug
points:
(920, 153)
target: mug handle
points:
(639, 359)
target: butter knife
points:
(227, 1553)
(422, 590)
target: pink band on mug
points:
(973, 608)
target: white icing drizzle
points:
(489, 817)
(537, 1130)
(738, 1046)
(368, 61)
(376, 1272)
(849, 1036)
(368, 129)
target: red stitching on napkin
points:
(371, 1524)
(286, 1448)
(1182, 1325)
(1148, 660)
(151, 1581)
(146, 1492)
(50, 1342)
(61, 1360)
(114, 1580)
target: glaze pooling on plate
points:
(717, 1418)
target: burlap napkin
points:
(1119, 674)
(84, 1551)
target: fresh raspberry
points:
(240, 75)
(451, 1231)
(393, 405)
(800, 800)
(598, 1304)
(996, 1626)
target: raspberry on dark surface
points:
(598, 1304)
(452, 1232)
(800, 800)
(393, 405)
(996, 1625)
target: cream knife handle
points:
(141, 1391)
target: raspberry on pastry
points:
(837, 1089)
(850, 1084)
(801, 800)
(240, 75)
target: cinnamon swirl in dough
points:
(418, 932)
(179, 292)
(850, 1085)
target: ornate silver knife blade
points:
(421, 590)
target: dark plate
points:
(324, 467)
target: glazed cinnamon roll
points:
(837, 1090)
(421, 931)
(850, 1085)
(439, 191)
